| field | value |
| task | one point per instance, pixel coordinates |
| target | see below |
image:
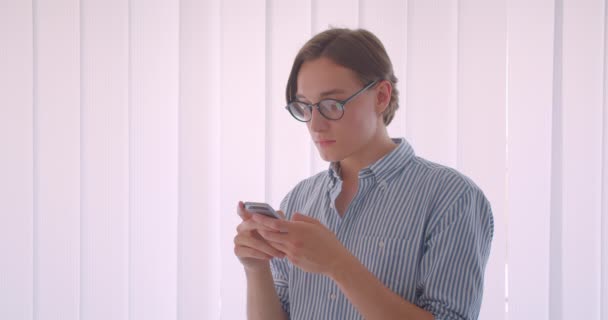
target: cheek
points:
(362, 122)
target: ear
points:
(383, 96)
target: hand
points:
(252, 250)
(306, 242)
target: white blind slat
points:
(582, 104)
(104, 160)
(432, 80)
(57, 159)
(199, 161)
(242, 133)
(604, 241)
(481, 126)
(530, 103)
(153, 158)
(16, 161)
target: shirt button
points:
(331, 205)
(332, 296)
(381, 244)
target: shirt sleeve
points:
(280, 267)
(456, 251)
(280, 274)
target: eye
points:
(331, 106)
(299, 109)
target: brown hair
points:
(358, 50)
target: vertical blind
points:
(130, 129)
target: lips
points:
(325, 143)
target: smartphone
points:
(262, 208)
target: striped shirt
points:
(424, 230)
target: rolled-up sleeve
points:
(280, 274)
(456, 252)
(280, 267)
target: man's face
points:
(337, 139)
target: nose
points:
(317, 122)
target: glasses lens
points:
(300, 111)
(331, 109)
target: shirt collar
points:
(382, 169)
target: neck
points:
(372, 152)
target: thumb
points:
(240, 210)
(281, 213)
(304, 218)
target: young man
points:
(382, 234)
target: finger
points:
(274, 224)
(242, 212)
(246, 252)
(257, 244)
(284, 242)
(304, 218)
(279, 212)
(280, 237)
(246, 225)
(282, 247)
(250, 225)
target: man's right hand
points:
(252, 250)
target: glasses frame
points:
(317, 105)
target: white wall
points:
(130, 129)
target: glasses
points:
(330, 109)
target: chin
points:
(329, 156)
(333, 153)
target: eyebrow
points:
(324, 93)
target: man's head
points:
(358, 50)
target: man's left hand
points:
(306, 242)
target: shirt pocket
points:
(394, 261)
